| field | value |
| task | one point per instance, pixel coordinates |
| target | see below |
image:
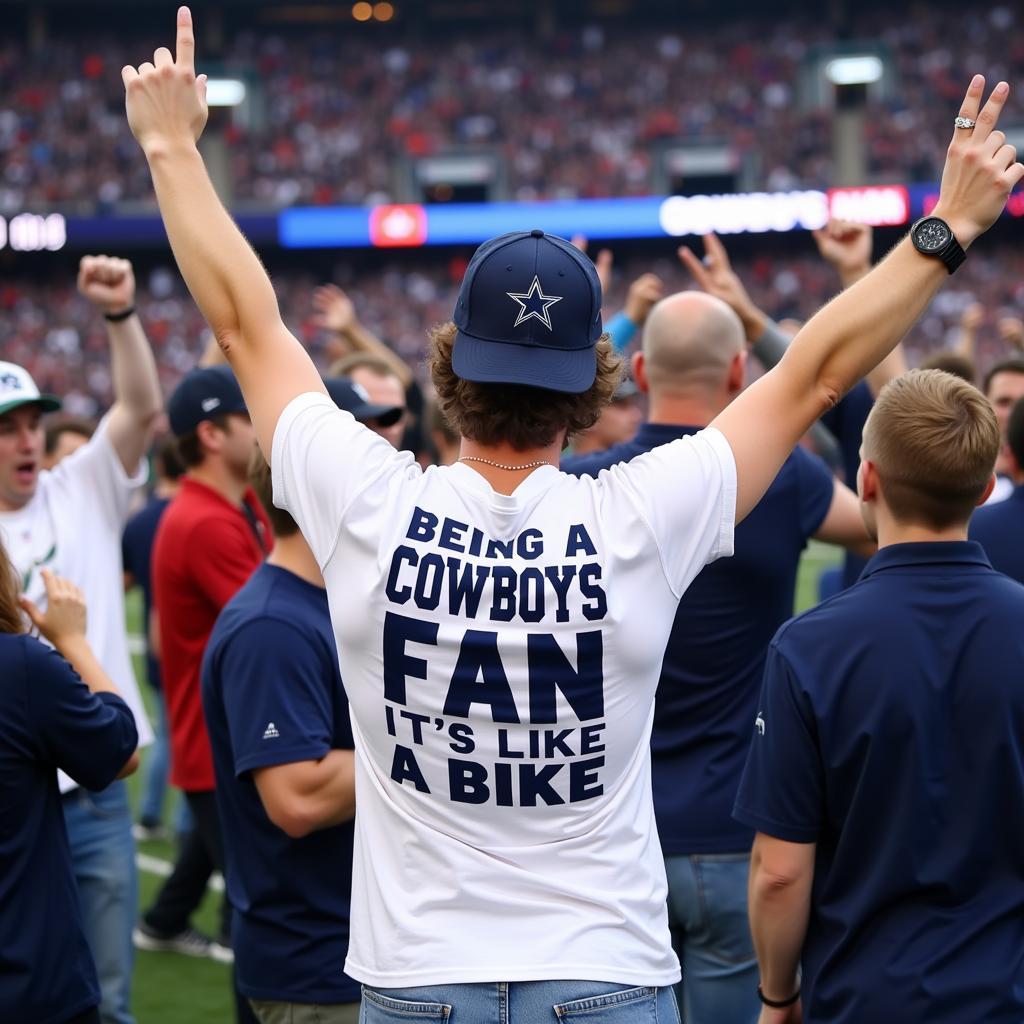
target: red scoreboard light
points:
(394, 226)
(877, 205)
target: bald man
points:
(692, 365)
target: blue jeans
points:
(154, 780)
(103, 858)
(707, 912)
(521, 1002)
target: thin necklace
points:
(502, 465)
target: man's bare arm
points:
(336, 312)
(109, 284)
(167, 111)
(858, 328)
(303, 796)
(779, 897)
(847, 246)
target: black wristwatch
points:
(932, 236)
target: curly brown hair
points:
(12, 620)
(523, 417)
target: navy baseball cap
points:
(529, 312)
(352, 397)
(202, 394)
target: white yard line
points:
(162, 868)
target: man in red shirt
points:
(212, 537)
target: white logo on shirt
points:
(759, 722)
(270, 733)
(209, 403)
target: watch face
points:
(931, 235)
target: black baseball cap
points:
(528, 312)
(202, 394)
(352, 397)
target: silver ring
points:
(964, 122)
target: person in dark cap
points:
(212, 536)
(500, 624)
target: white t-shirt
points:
(73, 526)
(501, 655)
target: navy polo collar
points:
(652, 435)
(927, 553)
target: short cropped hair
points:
(439, 424)
(934, 440)
(1015, 364)
(263, 484)
(344, 365)
(952, 362)
(1015, 432)
(190, 448)
(523, 417)
(57, 428)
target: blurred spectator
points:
(136, 551)
(64, 436)
(49, 720)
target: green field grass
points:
(173, 989)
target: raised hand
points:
(64, 619)
(166, 103)
(846, 245)
(981, 169)
(334, 309)
(1011, 330)
(602, 264)
(971, 318)
(107, 282)
(643, 293)
(714, 274)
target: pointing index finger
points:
(185, 49)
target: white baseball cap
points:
(17, 388)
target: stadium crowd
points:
(562, 685)
(575, 115)
(47, 327)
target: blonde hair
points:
(934, 439)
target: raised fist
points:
(1011, 330)
(846, 245)
(971, 318)
(166, 103)
(107, 282)
(643, 293)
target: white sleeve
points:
(93, 477)
(321, 460)
(685, 491)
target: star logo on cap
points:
(534, 303)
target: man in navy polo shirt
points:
(998, 527)
(692, 366)
(885, 776)
(282, 744)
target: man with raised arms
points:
(505, 842)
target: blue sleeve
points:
(816, 489)
(278, 689)
(781, 792)
(88, 735)
(621, 330)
